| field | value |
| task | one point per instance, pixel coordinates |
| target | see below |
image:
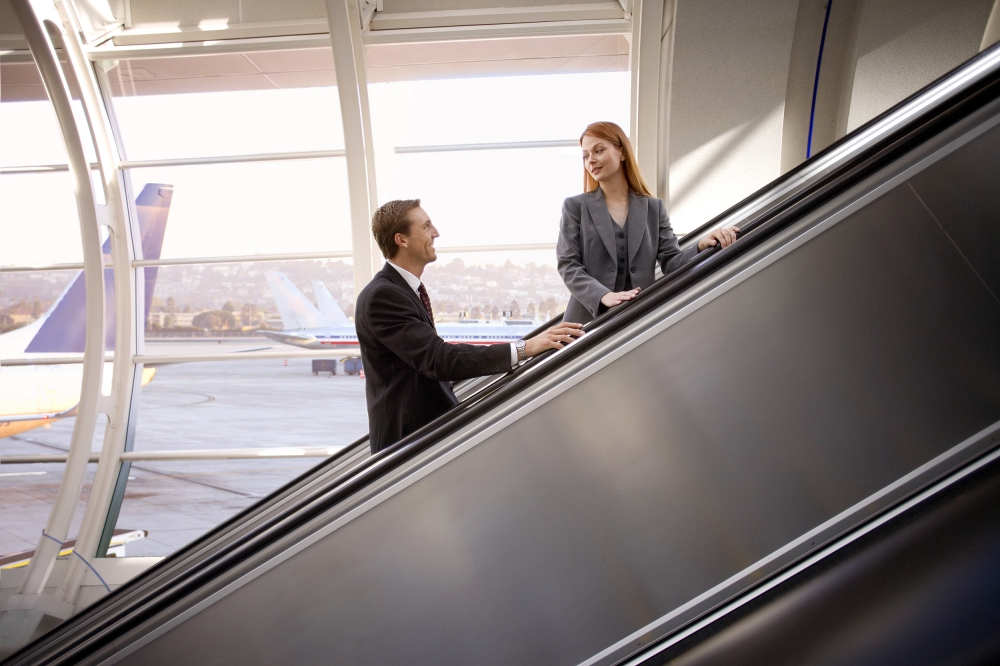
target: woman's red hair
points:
(613, 134)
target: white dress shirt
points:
(414, 283)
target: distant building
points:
(171, 319)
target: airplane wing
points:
(289, 338)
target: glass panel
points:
(28, 491)
(254, 207)
(461, 193)
(482, 285)
(227, 104)
(24, 297)
(497, 196)
(29, 131)
(40, 224)
(235, 301)
(495, 109)
(258, 404)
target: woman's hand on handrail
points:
(724, 235)
(613, 298)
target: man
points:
(408, 367)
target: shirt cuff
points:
(513, 355)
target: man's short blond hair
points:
(390, 219)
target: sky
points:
(474, 198)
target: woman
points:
(612, 235)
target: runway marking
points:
(205, 396)
(22, 473)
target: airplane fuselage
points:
(332, 337)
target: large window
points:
(491, 149)
(232, 104)
(247, 150)
(247, 208)
(251, 148)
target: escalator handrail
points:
(980, 87)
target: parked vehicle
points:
(325, 365)
(352, 365)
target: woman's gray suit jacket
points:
(586, 249)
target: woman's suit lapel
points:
(602, 219)
(636, 226)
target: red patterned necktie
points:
(426, 300)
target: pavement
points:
(217, 405)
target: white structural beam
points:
(125, 248)
(233, 159)
(285, 35)
(490, 16)
(504, 145)
(166, 456)
(650, 69)
(244, 258)
(508, 30)
(29, 594)
(352, 86)
(263, 258)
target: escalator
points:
(670, 486)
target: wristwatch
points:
(522, 355)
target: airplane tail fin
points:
(151, 207)
(64, 326)
(328, 307)
(295, 309)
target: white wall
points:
(730, 72)
(906, 44)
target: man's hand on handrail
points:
(724, 235)
(553, 338)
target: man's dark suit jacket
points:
(408, 367)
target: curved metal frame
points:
(29, 595)
(126, 377)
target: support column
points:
(29, 595)
(652, 46)
(352, 85)
(820, 77)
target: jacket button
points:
(621, 247)
(621, 260)
(633, 269)
(621, 235)
(621, 271)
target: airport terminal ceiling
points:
(224, 148)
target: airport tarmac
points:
(211, 405)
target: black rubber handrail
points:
(760, 227)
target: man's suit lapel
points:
(638, 209)
(602, 219)
(393, 275)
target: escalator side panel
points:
(922, 593)
(876, 348)
(962, 192)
